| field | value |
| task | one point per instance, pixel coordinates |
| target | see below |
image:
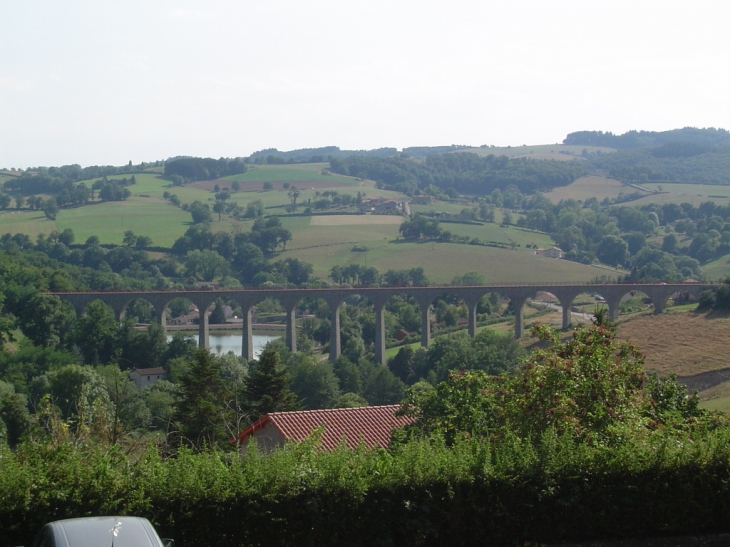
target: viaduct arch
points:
(659, 293)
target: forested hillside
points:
(641, 139)
(690, 155)
(461, 172)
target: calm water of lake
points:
(223, 343)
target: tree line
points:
(639, 139)
(464, 172)
(184, 169)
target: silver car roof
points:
(100, 532)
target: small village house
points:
(553, 252)
(143, 377)
(371, 426)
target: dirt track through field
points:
(351, 220)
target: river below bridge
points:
(223, 342)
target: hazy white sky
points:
(106, 82)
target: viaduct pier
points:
(518, 294)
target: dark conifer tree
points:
(202, 412)
(266, 388)
(218, 315)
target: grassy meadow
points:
(603, 187)
(290, 173)
(560, 152)
(717, 269)
(328, 246)
(589, 187)
(146, 212)
(710, 191)
(25, 221)
(161, 221)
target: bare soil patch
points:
(258, 185)
(686, 344)
(351, 220)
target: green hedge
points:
(418, 494)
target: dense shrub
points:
(421, 493)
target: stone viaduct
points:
(518, 294)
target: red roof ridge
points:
(369, 425)
(329, 410)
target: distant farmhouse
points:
(193, 316)
(554, 252)
(380, 206)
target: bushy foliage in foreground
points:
(592, 388)
(421, 493)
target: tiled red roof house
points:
(368, 425)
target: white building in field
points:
(554, 252)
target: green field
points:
(661, 199)
(721, 404)
(156, 219)
(440, 207)
(717, 269)
(687, 193)
(494, 232)
(703, 190)
(294, 172)
(328, 246)
(561, 152)
(602, 187)
(27, 222)
(148, 213)
(588, 187)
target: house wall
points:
(268, 438)
(144, 380)
(550, 253)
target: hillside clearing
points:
(325, 248)
(299, 172)
(163, 222)
(560, 152)
(589, 187)
(350, 220)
